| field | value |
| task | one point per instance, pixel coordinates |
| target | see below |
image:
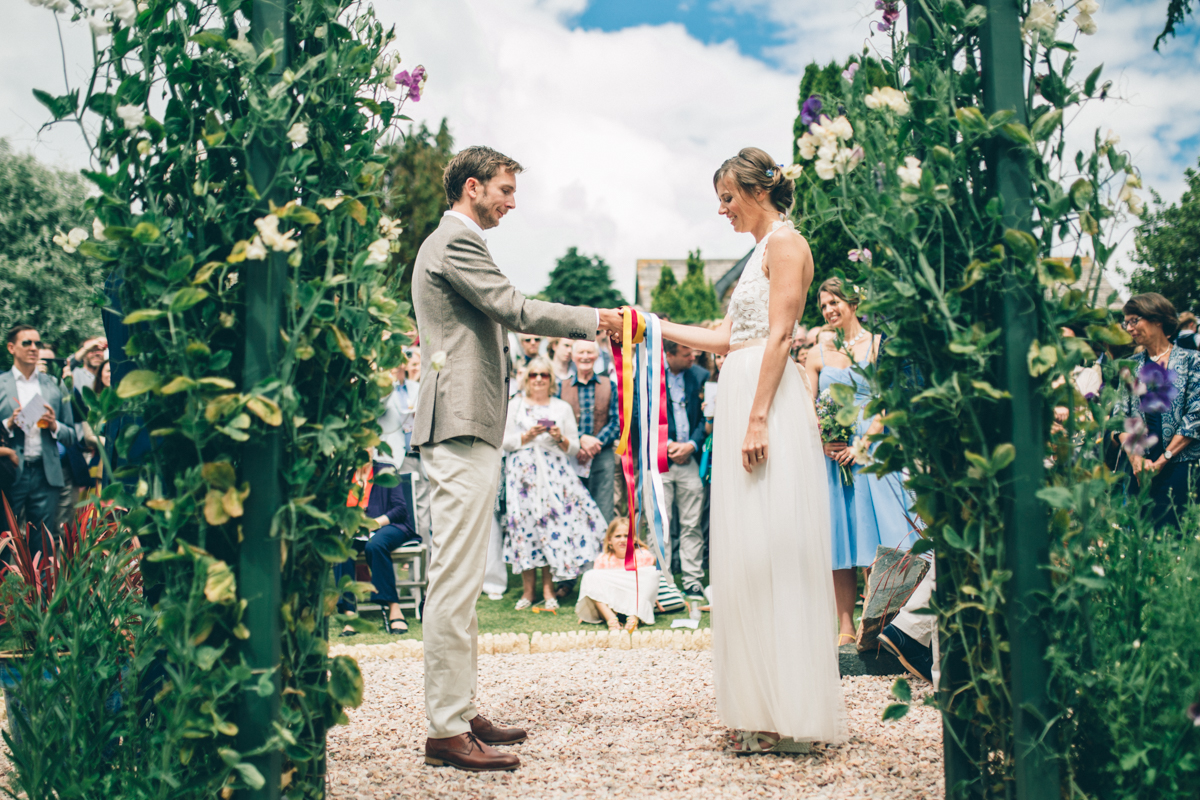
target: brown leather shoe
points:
(486, 732)
(467, 753)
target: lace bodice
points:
(750, 304)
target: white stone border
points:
(497, 643)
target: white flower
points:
(848, 159)
(132, 116)
(390, 228)
(126, 11)
(1137, 643)
(201, 152)
(100, 25)
(1112, 139)
(825, 169)
(887, 97)
(1042, 19)
(862, 451)
(808, 146)
(841, 128)
(437, 361)
(389, 81)
(1129, 197)
(320, 31)
(268, 230)
(143, 146)
(330, 203)
(1136, 206)
(1087, 26)
(828, 152)
(379, 251)
(792, 172)
(821, 133)
(98, 230)
(1099, 570)
(910, 173)
(848, 72)
(256, 250)
(298, 134)
(1087, 6)
(242, 45)
(143, 7)
(71, 240)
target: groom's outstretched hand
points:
(610, 320)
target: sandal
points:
(613, 625)
(631, 624)
(551, 604)
(748, 743)
(523, 604)
(849, 636)
(396, 627)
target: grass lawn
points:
(501, 616)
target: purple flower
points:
(891, 13)
(1140, 440)
(848, 73)
(811, 110)
(1156, 387)
(414, 82)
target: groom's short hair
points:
(480, 163)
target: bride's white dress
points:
(774, 656)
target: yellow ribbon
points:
(632, 334)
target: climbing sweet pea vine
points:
(903, 163)
(183, 98)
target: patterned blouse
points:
(1183, 417)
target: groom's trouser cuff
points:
(463, 479)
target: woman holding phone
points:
(550, 520)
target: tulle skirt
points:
(775, 659)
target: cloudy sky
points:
(620, 110)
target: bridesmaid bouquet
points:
(832, 430)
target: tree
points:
(691, 302)
(40, 283)
(1167, 243)
(828, 240)
(580, 280)
(414, 194)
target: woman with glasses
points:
(1163, 448)
(550, 520)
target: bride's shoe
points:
(750, 743)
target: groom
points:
(463, 303)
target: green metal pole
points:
(259, 558)
(1026, 538)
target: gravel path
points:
(602, 725)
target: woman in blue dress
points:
(868, 511)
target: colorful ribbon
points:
(641, 384)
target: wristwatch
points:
(1167, 454)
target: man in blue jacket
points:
(682, 486)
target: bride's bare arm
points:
(791, 269)
(698, 338)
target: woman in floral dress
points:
(550, 520)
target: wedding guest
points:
(389, 509)
(85, 362)
(81, 462)
(608, 590)
(396, 422)
(550, 521)
(1170, 462)
(40, 479)
(682, 488)
(593, 398)
(1187, 331)
(869, 511)
(560, 358)
(530, 346)
(909, 636)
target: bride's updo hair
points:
(841, 290)
(753, 169)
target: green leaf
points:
(971, 120)
(215, 39)
(1016, 132)
(219, 474)
(345, 681)
(987, 389)
(146, 232)
(1089, 85)
(143, 315)
(901, 691)
(60, 107)
(1002, 456)
(1082, 193)
(921, 546)
(96, 251)
(847, 415)
(387, 480)
(842, 394)
(1046, 124)
(953, 539)
(250, 775)
(975, 16)
(266, 410)
(179, 384)
(1041, 358)
(186, 298)
(1056, 496)
(137, 382)
(1109, 334)
(1022, 244)
(895, 711)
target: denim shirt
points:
(1183, 417)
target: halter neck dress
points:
(775, 663)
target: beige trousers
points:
(463, 479)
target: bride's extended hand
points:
(754, 446)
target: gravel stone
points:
(616, 723)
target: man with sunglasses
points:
(40, 479)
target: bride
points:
(774, 660)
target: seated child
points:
(608, 589)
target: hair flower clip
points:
(770, 173)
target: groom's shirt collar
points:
(470, 223)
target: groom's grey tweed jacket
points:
(463, 304)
